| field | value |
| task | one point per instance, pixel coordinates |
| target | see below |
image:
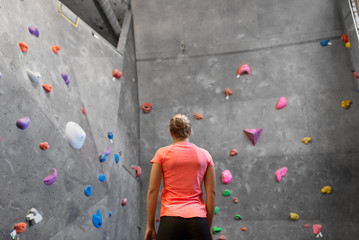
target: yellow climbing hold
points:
(327, 189)
(293, 216)
(346, 104)
(347, 45)
(306, 140)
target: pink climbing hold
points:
(280, 173)
(282, 102)
(253, 134)
(243, 69)
(138, 170)
(306, 225)
(124, 202)
(317, 228)
(226, 176)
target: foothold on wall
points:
(243, 69)
(306, 225)
(23, 123)
(235, 200)
(346, 104)
(244, 229)
(317, 228)
(216, 209)
(325, 42)
(108, 151)
(306, 140)
(66, 78)
(253, 134)
(97, 219)
(138, 170)
(47, 87)
(34, 31)
(83, 111)
(33, 76)
(20, 227)
(88, 190)
(117, 158)
(110, 213)
(227, 193)
(146, 107)
(228, 92)
(101, 177)
(326, 189)
(280, 173)
(158, 219)
(34, 216)
(222, 237)
(55, 48)
(355, 74)
(50, 179)
(238, 217)
(75, 135)
(345, 38)
(233, 152)
(198, 116)
(110, 135)
(116, 73)
(282, 102)
(216, 229)
(347, 45)
(293, 216)
(44, 145)
(124, 202)
(103, 157)
(226, 176)
(23, 46)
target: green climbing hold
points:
(216, 229)
(238, 217)
(227, 193)
(216, 210)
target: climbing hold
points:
(280, 173)
(44, 145)
(108, 151)
(47, 87)
(238, 217)
(226, 176)
(146, 107)
(228, 92)
(227, 193)
(327, 189)
(253, 134)
(355, 74)
(66, 78)
(282, 102)
(124, 202)
(110, 135)
(110, 213)
(103, 157)
(34, 216)
(34, 76)
(222, 237)
(345, 38)
(23, 46)
(97, 219)
(23, 123)
(88, 190)
(216, 229)
(75, 135)
(216, 209)
(158, 219)
(233, 152)
(101, 177)
(325, 42)
(50, 179)
(306, 225)
(198, 116)
(235, 200)
(317, 228)
(347, 45)
(138, 170)
(293, 216)
(20, 227)
(346, 104)
(0, 75)
(34, 31)
(244, 229)
(306, 140)
(83, 111)
(243, 69)
(116, 73)
(117, 158)
(55, 48)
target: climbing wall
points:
(93, 99)
(189, 54)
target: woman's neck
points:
(186, 140)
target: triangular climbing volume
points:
(253, 134)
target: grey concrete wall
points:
(280, 40)
(111, 105)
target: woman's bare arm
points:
(210, 187)
(153, 189)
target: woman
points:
(184, 166)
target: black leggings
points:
(177, 228)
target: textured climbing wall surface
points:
(280, 40)
(110, 104)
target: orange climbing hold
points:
(47, 87)
(233, 152)
(345, 38)
(55, 48)
(222, 238)
(23, 46)
(44, 145)
(235, 200)
(116, 73)
(198, 116)
(228, 92)
(355, 74)
(20, 227)
(244, 229)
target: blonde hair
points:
(180, 126)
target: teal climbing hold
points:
(227, 193)
(101, 177)
(216, 229)
(216, 210)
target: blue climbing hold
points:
(117, 157)
(88, 190)
(324, 42)
(103, 157)
(110, 213)
(110, 135)
(97, 219)
(101, 177)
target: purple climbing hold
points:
(66, 78)
(23, 123)
(34, 31)
(51, 178)
(101, 177)
(108, 151)
(253, 134)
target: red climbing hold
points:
(83, 111)
(146, 107)
(253, 134)
(124, 202)
(355, 74)
(23, 46)
(138, 170)
(345, 38)
(44, 145)
(243, 69)
(55, 48)
(233, 152)
(198, 116)
(47, 87)
(116, 73)
(20, 227)
(228, 92)
(306, 225)
(158, 219)
(317, 228)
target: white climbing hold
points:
(75, 135)
(34, 216)
(34, 76)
